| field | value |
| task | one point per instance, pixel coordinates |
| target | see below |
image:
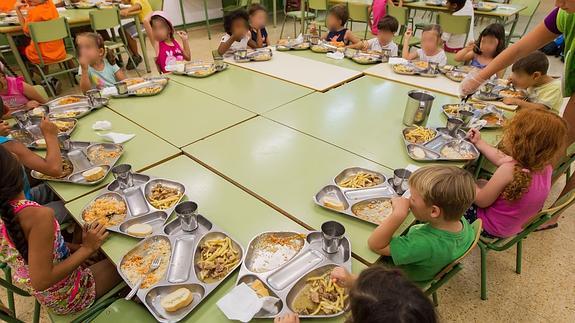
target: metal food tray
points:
(83, 106)
(26, 138)
(288, 279)
(480, 114)
(181, 272)
(354, 196)
(415, 71)
(156, 81)
(369, 58)
(210, 67)
(138, 208)
(82, 163)
(300, 46)
(433, 147)
(455, 76)
(256, 56)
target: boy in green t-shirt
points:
(439, 197)
(530, 73)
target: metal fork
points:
(155, 265)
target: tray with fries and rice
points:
(137, 86)
(193, 265)
(294, 268)
(199, 69)
(418, 68)
(292, 44)
(33, 138)
(435, 144)
(73, 103)
(358, 192)
(494, 118)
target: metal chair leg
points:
(483, 272)
(434, 296)
(294, 28)
(36, 311)
(518, 256)
(9, 293)
(283, 25)
(48, 85)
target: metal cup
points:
(433, 67)
(22, 118)
(332, 233)
(417, 108)
(465, 116)
(35, 131)
(453, 125)
(400, 180)
(188, 214)
(93, 96)
(122, 87)
(385, 55)
(64, 140)
(123, 174)
(314, 39)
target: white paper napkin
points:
(336, 55)
(116, 137)
(102, 125)
(109, 91)
(397, 60)
(241, 304)
(299, 39)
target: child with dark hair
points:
(379, 295)
(17, 94)
(530, 72)
(454, 43)
(480, 52)
(238, 36)
(98, 67)
(258, 19)
(388, 26)
(167, 49)
(41, 261)
(338, 34)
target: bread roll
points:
(94, 174)
(177, 299)
(333, 203)
(259, 288)
(140, 230)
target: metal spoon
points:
(155, 265)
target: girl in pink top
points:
(378, 10)
(532, 141)
(161, 33)
(16, 94)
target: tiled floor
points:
(543, 292)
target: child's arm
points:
(224, 46)
(120, 75)
(135, 7)
(352, 38)
(343, 277)
(33, 95)
(150, 34)
(361, 45)
(522, 104)
(489, 193)
(405, 48)
(466, 53)
(50, 165)
(494, 155)
(379, 240)
(259, 39)
(85, 83)
(187, 51)
(43, 272)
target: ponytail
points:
(14, 229)
(519, 185)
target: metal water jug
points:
(418, 108)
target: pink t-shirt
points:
(14, 96)
(168, 54)
(378, 9)
(504, 218)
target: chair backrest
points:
(399, 13)
(45, 31)
(157, 5)
(358, 12)
(477, 226)
(104, 19)
(559, 206)
(318, 5)
(454, 24)
(531, 7)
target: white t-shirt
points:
(237, 45)
(373, 44)
(458, 40)
(439, 58)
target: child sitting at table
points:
(543, 91)
(377, 11)
(454, 43)
(98, 67)
(384, 41)
(258, 19)
(167, 49)
(130, 30)
(17, 94)
(338, 35)
(439, 197)
(479, 53)
(430, 50)
(531, 143)
(380, 294)
(41, 261)
(237, 36)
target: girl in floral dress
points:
(41, 262)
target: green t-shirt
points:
(425, 250)
(566, 25)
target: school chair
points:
(453, 268)
(123, 311)
(10, 291)
(454, 24)
(527, 13)
(501, 244)
(108, 20)
(319, 8)
(45, 31)
(402, 16)
(296, 15)
(358, 13)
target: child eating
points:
(98, 67)
(430, 50)
(338, 35)
(17, 94)
(168, 50)
(237, 36)
(439, 197)
(387, 27)
(479, 53)
(530, 72)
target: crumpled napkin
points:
(116, 137)
(109, 91)
(397, 60)
(102, 125)
(336, 55)
(242, 303)
(299, 39)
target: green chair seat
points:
(112, 45)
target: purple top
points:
(551, 21)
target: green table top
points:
(363, 117)
(286, 168)
(136, 151)
(252, 91)
(180, 115)
(346, 62)
(226, 205)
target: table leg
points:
(275, 14)
(142, 42)
(19, 60)
(302, 5)
(207, 18)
